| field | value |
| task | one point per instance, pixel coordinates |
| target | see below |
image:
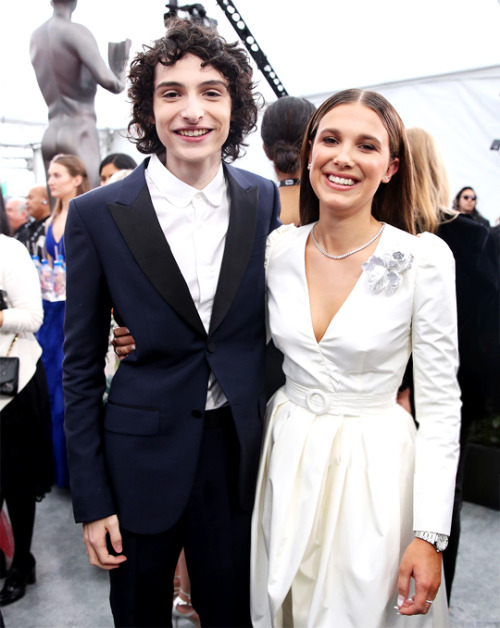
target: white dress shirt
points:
(195, 224)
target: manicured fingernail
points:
(400, 600)
(133, 347)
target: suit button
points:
(211, 346)
(197, 414)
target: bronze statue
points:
(68, 68)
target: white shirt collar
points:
(181, 194)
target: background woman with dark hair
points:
(26, 455)
(114, 163)
(282, 130)
(465, 202)
(353, 504)
(283, 127)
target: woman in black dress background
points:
(477, 281)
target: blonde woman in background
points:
(477, 301)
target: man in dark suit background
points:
(177, 250)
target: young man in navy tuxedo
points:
(177, 250)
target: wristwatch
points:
(440, 541)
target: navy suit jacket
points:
(136, 455)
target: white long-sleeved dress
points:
(345, 477)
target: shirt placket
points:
(202, 237)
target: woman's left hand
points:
(422, 562)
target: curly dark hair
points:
(183, 37)
(393, 202)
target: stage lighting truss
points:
(198, 14)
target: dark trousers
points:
(25, 462)
(215, 534)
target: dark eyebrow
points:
(371, 138)
(211, 83)
(363, 137)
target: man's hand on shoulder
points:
(94, 537)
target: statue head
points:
(71, 4)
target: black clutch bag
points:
(9, 373)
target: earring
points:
(309, 166)
(387, 178)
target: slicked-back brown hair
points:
(394, 201)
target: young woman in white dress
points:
(354, 502)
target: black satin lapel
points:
(141, 230)
(239, 244)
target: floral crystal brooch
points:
(385, 272)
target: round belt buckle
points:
(317, 401)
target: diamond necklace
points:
(360, 248)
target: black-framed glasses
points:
(466, 197)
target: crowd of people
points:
(297, 363)
(33, 454)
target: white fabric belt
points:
(320, 402)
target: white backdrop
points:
(461, 110)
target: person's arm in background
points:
(22, 287)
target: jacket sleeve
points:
(86, 328)
(437, 394)
(20, 282)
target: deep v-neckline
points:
(57, 242)
(348, 297)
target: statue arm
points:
(86, 47)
